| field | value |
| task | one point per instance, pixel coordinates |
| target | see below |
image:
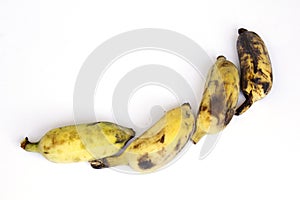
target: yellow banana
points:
(219, 99)
(84, 142)
(256, 69)
(158, 145)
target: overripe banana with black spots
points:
(84, 142)
(256, 69)
(158, 145)
(219, 99)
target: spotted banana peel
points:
(84, 142)
(219, 99)
(256, 69)
(158, 145)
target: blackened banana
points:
(256, 69)
(219, 99)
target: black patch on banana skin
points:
(264, 75)
(244, 38)
(256, 80)
(265, 86)
(145, 162)
(204, 108)
(162, 139)
(245, 106)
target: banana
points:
(84, 142)
(219, 99)
(256, 69)
(158, 145)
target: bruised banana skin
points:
(84, 142)
(219, 99)
(256, 68)
(158, 145)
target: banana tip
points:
(98, 164)
(242, 30)
(24, 143)
(221, 57)
(186, 104)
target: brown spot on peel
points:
(145, 162)
(162, 139)
(204, 108)
(136, 146)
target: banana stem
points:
(245, 106)
(28, 146)
(115, 160)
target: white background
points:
(42, 47)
